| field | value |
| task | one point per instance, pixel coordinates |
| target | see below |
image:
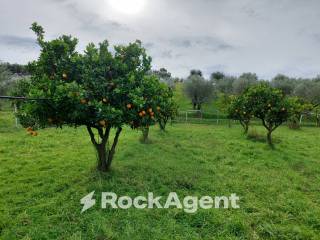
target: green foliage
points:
(269, 105)
(245, 81)
(284, 83)
(16, 68)
(297, 107)
(98, 89)
(223, 102)
(167, 107)
(197, 89)
(241, 109)
(4, 79)
(224, 85)
(309, 91)
(165, 77)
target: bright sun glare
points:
(128, 6)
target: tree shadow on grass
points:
(255, 136)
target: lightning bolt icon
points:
(87, 202)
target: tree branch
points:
(93, 140)
(114, 144)
(106, 134)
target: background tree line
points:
(221, 86)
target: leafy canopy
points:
(95, 88)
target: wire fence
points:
(188, 116)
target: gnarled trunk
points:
(104, 152)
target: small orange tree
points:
(167, 108)
(159, 105)
(241, 109)
(270, 105)
(97, 89)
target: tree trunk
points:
(194, 106)
(246, 128)
(162, 124)
(269, 138)
(102, 154)
(145, 134)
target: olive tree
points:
(4, 78)
(197, 89)
(164, 76)
(245, 81)
(284, 83)
(222, 83)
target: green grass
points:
(42, 180)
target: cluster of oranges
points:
(149, 111)
(31, 132)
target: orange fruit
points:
(103, 122)
(143, 112)
(129, 106)
(34, 133)
(64, 75)
(150, 110)
(105, 100)
(158, 108)
(152, 114)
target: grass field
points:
(42, 180)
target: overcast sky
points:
(234, 36)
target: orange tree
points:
(241, 109)
(298, 106)
(98, 89)
(159, 105)
(270, 105)
(167, 108)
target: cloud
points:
(167, 54)
(19, 42)
(234, 36)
